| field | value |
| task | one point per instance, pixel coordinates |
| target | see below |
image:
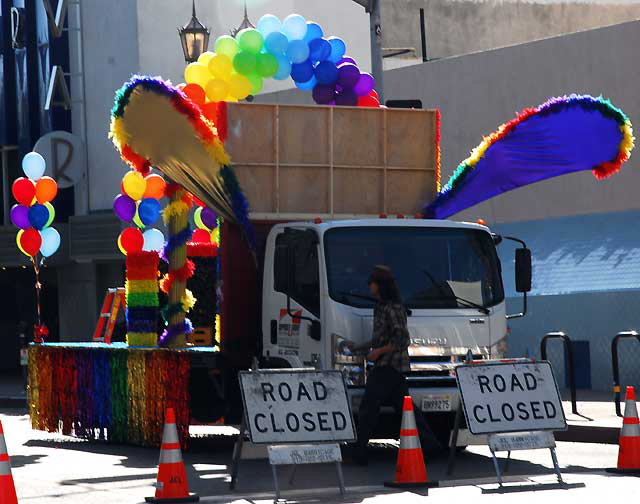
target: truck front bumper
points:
(426, 397)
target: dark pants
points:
(388, 386)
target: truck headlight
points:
(352, 366)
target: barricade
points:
(568, 348)
(615, 365)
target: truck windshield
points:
(434, 267)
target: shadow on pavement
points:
(24, 460)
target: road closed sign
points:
(510, 397)
(296, 406)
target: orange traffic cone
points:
(629, 453)
(410, 471)
(172, 484)
(7, 488)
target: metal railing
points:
(615, 365)
(568, 348)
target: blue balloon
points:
(153, 240)
(149, 211)
(326, 72)
(302, 72)
(33, 165)
(298, 51)
(50, 241)
(268, 24)
(284, 68)
(38, 216)
(319, 49)
(338, 48)
(307, 86)
(276, 43)
(294, 27)
(314, 31)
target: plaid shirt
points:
(390, 327)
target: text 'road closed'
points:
(296, 406)
(510, 397)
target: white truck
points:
(314, 177)
(315, 298)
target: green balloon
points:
(52, 214)
(250, 40)
(227, 45)
(244, 63)
(256, 83)
(267, 65)
(136, 217)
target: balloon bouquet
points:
(206, 222)
(33, 215)
(139, 205)
(293, 48)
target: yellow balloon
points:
(217, 90)
(134, 185)
(124, 252)
(215, 236)
(205, 57)
(18, 242)
(197, 73)
(239, 86)
(220, 67)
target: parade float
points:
(236, 169)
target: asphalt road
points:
(49, 468)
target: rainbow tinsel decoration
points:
(142, 298)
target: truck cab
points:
(316, 298)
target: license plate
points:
(436, 403)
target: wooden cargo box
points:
(297, 161)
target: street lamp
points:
(194, 37)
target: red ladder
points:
(109, 314)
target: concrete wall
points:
(161, 54)
(478, 92)
(461, 27)
(110, 57)
(592, 317)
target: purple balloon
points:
(324, 94)
(348, 75)
(364, 85)
(124, 207)
(347, 98)
(20, 216)
(346, 59)
(209, 218)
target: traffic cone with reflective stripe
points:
(171, 485)
(410, 470)
(7, 488)
(629, 453)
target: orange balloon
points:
(46, 189)
(155, 186)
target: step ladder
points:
(113, 299)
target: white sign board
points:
(304, 454)
(510, 397)
(521, 441)
(296, 406)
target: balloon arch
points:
(276, 49)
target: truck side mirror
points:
(315, 332)
(523, 270)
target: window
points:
(302, 265)
(432, 266)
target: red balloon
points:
(368, 101)
(131, 240)
(375, 93)
(195, 93)
(201, 236)
(24, 190)
(30, 241)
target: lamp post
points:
(375, 27)
(194, 37)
